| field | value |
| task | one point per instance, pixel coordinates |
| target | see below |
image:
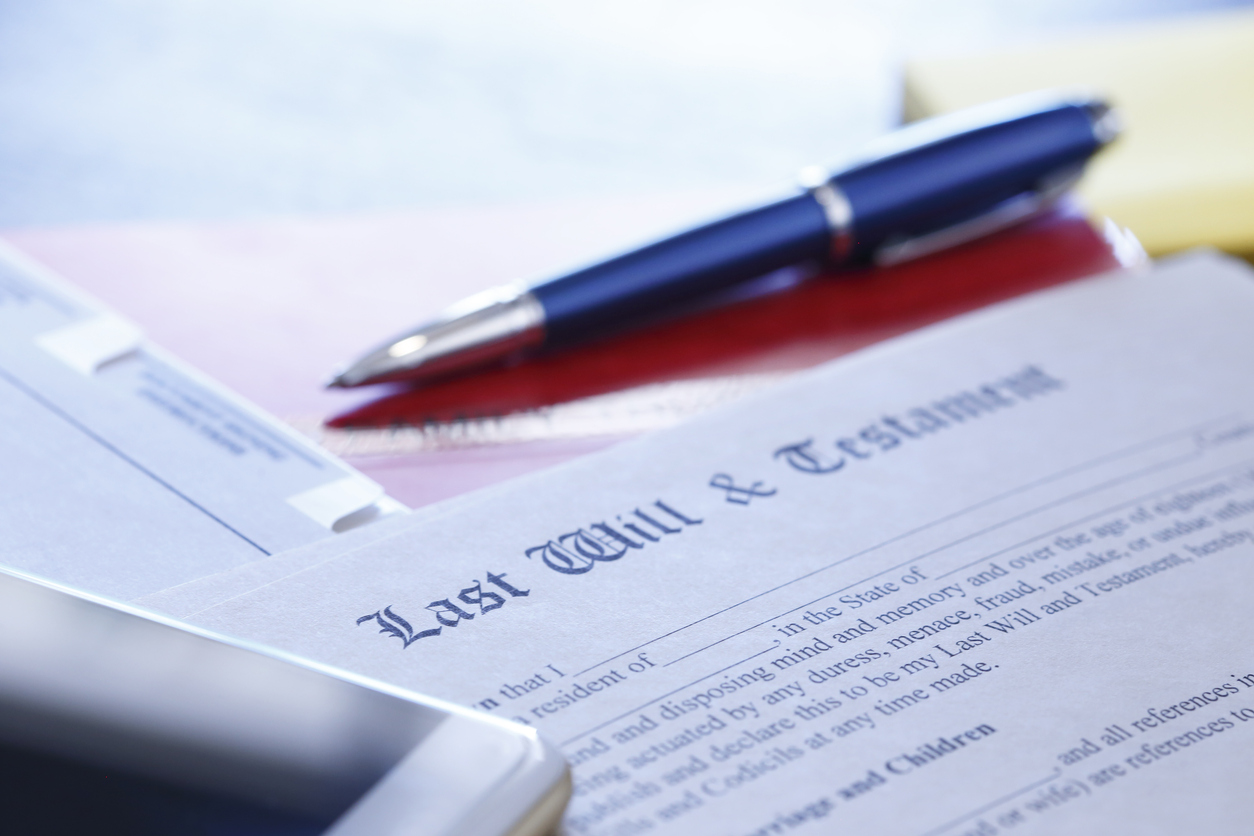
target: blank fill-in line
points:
(587, 732)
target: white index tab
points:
(86, 346)
(331, 503)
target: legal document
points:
(989, 578)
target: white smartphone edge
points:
(444, 786)
(472, 775)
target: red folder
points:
(268, 307)
(791, 328)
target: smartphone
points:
(113, 720)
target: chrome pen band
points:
(839, 215)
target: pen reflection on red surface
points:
(797, 327)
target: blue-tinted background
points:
(140, 109)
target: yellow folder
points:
(1182, 173)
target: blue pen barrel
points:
(610, 294)
(961, 176)
(921, 189)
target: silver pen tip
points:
(483, 329)
(342, 378)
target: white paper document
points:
(990, 578)
(124, 472)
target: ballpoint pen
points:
(926, 187)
